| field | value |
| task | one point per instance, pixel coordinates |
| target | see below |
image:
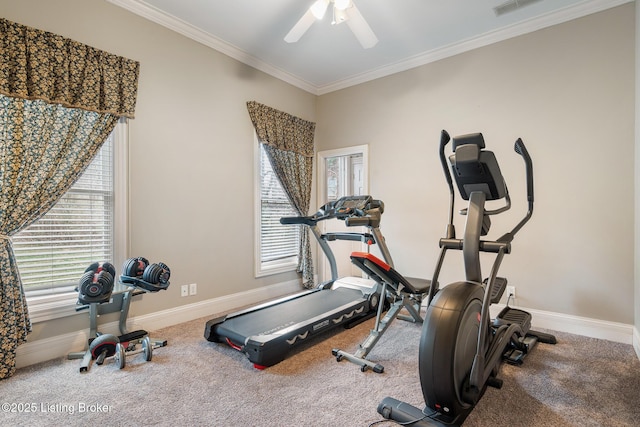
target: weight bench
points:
(400, 292)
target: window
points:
(277, 245)
(53, 252)
(341, 172)
(344, 176)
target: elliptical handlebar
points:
(444, 140)
(521, 149)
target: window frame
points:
(342, 262)
(49, 304)
(266, 268)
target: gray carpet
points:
(192, 382)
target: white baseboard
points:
(593, 328)
(188, 312)
(61, 345)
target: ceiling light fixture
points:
(339, 16)
(341, 4)
(343, 11)
(319, 8)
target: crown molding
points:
(153, 14)
(554, 18)
(587, 7)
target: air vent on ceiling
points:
(512, 5)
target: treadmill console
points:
(351, 205)
(343, 208)
(355, 202)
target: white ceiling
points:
(329, 57)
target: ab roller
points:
(108, 345)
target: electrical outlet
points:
(193, 289)
(184, 291)
(511, 292)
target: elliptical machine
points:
(461, 348)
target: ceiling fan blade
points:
(360, 28)
(300, 28)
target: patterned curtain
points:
(288, 142)
(59, 101)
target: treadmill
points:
(266, 333)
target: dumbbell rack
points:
(120, 301)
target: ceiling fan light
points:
(341, 4)
(319, 8)
(339, 16)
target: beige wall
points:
(567, 91)
(191, 149)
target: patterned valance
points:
(36, 64)
(282, 130)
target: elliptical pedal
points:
(510, 315)
(520, 345)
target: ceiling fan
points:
(343, 11)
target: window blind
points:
(277, 241)
(55, 250)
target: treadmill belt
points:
(283, 315)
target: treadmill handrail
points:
(303, 220)
(359, 221)
(355, 237)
